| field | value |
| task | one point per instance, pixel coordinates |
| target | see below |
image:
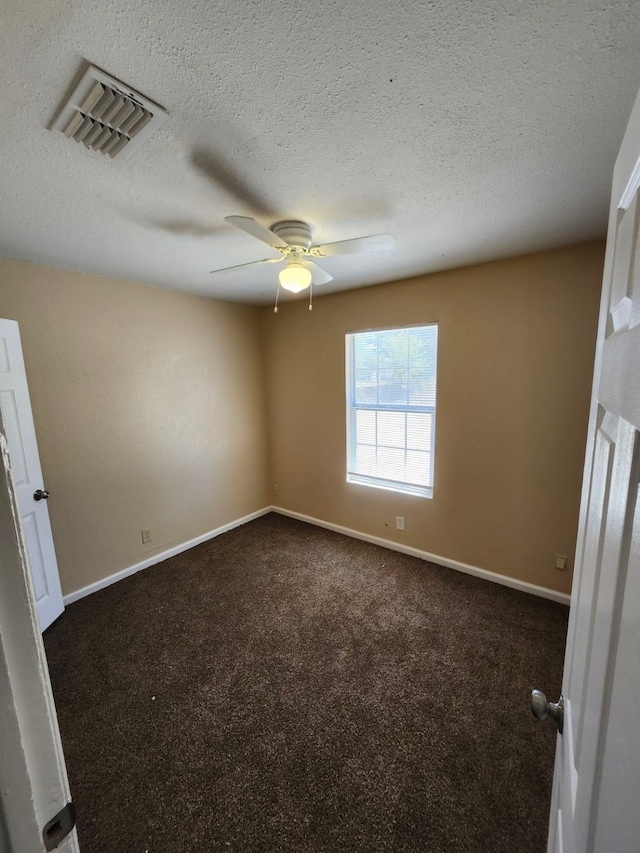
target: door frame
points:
(33, 777)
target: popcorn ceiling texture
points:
(471, 131)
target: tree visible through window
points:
(391, 407)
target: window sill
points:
(370, 482)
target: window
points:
(391, 408)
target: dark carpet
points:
(285, 688)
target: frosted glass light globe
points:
(295, 278)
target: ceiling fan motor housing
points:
(293, 232)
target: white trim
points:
(390, 485)
(163, 555)
(632, 186)
(523, 586)
(33, 778)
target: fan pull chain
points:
(275, 307)
(311, 296)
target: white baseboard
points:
(164, 555)
(531, 588)
(523, 586)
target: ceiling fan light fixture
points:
(293, 240)
(295, 278)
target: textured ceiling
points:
(469, 130)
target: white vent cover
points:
(107, 116)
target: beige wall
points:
(515, 356)
(149, 412)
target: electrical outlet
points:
(399, 522)
(146, 535)
(561, 562)
(276, 489)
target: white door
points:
(25, 463)
(597, 769)
(35, 809)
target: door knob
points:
(40, 495)
(541, 707)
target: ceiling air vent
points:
(107, 116)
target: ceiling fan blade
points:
(375, 243)
(318, 275)
(246, 223)
(250, 264)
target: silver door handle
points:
(541, 708)
(40, 495)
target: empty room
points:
(319, 420)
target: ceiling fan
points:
(293, 240)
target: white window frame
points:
(353, 408)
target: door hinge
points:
(57, 829)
